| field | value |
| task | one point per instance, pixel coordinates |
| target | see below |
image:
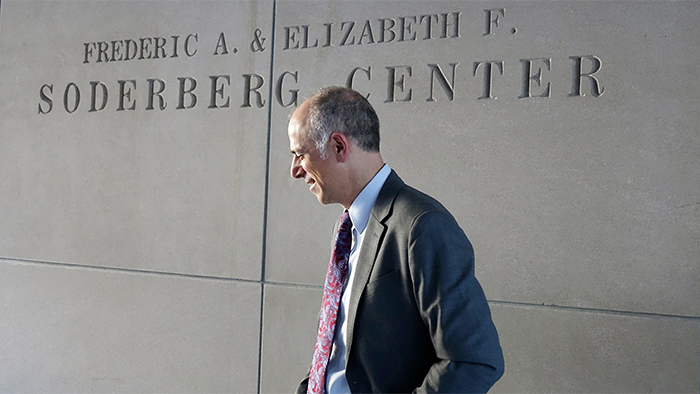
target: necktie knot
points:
(343, 240)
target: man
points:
(412, 316)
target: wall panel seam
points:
(266, 198)
(596, 310)
(15, 261)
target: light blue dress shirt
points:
(360, 210)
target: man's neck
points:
(367, 166)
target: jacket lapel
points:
(373, 237)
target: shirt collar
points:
(361, 208)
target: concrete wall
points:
(151, 239)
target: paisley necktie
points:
(332, 291)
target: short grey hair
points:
(336, 108)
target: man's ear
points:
(340, 145)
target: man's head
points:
(334, 137)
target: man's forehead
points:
(296, 140)
(299, 116)
(296, 126)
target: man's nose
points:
(296, 170)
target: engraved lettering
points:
(351, 78)
(428, 25)
(45, 98)
(290, 37)
(102, 48)
(373, 31)
(125, 93)
(386, 29)
(488, 76)
(76, 97)
(447, 87)
(596, 89)
(141, 48)
(347, 33)
(528, 77)
(328, 34)
(116, 48)
(93, 96)
(493, 20)
(258, 41)
(366, 33)
(454, 24)
(187, 44)
(88, 51)
(152, 93)
(159, 50)
(305, 36)
(248, 89)
(127, 54)
(407, 28)
(221, 44)
(175, 38)
(145, 47)
(393, 83)
(183, 91)
(218, 91)
(294, 92)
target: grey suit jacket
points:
(418, 319)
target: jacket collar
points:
(374, 236)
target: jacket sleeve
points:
(453, 307)
(301, 389)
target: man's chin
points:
(323, 199)
(318, 196)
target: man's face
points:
(308, 165)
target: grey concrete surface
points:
(68, 329)
(289, 325)
(554, 350)
(141, 224)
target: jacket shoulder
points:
(406, 202)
